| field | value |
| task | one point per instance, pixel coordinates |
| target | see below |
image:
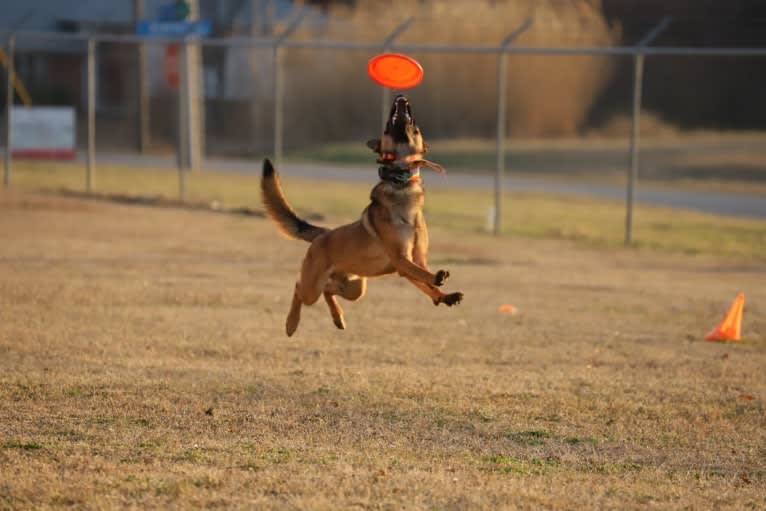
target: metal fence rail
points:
(282, 43)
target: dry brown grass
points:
(143, 364)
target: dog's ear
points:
(268, 168)
(374, 144)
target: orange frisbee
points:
(395, 71)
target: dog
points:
(390, 237)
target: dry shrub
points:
(651, 125)
(551, 95)
(330, 97)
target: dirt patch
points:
(160, 201)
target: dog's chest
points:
(405, 205)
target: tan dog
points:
(390, 237)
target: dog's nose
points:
(402, 106)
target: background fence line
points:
(9, 73)
(282, 43)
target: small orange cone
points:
(507, 308)
(729, 328)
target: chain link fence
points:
(491, 109)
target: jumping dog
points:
(390, 237)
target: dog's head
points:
(401, 140)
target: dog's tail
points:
(280, 211)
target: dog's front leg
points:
(420, 257)
(400, 254)
(436, 295)
(408, 269)
(420, 247)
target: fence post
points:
(9, 71)
(182, 135)
(142, 87)
(500, 144)
(385, 95)
(279, 99)
(91, 70)
(635, 128)
(638, 75)
(279, 78)
(501, 121)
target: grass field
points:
(143, 363)
(585, 220)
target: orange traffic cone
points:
(507, 308)
(729, 328)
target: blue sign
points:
(156, 28)
(177, 11)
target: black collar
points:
(397, 175)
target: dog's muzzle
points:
(401, 115)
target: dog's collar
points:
(399, 176)
(404, 170)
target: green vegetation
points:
(512, 465)
(584, 220)
(27, 446)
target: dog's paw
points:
(452, 299)
(441, 278)
(339, 322)
(291, 325)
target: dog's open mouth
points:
(402, 129)
(399, 119)
(401, 114)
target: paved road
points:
(723, 203)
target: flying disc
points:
(395, 70)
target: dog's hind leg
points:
(315, 271)
(335, 311)
(350, 287)
(303, 295)
(294, 316)
(354, 289)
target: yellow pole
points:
(17, 84)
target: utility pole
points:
(10, 72)
(254, 64)
(260, 26)
(194, 100)
(142, 86)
